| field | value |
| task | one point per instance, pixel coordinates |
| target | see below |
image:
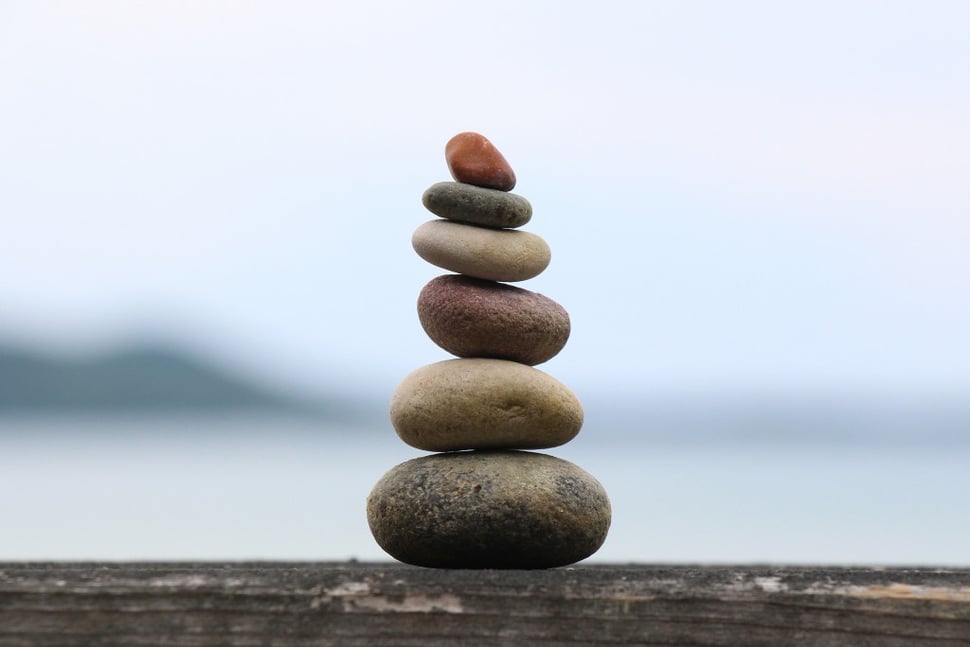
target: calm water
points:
(279, 489)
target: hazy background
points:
(759, 214)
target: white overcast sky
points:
(737, 194)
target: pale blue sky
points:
(742, 195)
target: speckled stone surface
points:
(488, 509)
(476, 205)
(482, 252)
(474, 318)
(484, 403)
(472, 158)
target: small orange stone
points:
(473, 159)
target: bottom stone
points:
(488, 509)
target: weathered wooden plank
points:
(290, 604)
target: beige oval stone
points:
(484, 404)
(488, 509)
(490, 254)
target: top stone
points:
(473, 159)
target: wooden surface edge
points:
(351, 603)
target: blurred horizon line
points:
(164, 379)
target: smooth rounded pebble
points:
(473, 159)
(470, 317)
(481, 252)
(488, 509)
(476, 205)
(484, 404)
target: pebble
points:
(469, 317)
(473, 159)
(491, 254)
(476, 205)
(484, 404)
(488, 509)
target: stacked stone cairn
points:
(481, 501)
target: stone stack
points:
(481, 501)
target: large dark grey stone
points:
(488, 509)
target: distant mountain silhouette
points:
(141, 378)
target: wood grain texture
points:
(290, 604)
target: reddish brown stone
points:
(473, 159)
(474, 318)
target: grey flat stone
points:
(477, 205)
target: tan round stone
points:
(491, 254)
(484, 404)
(488, 509)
